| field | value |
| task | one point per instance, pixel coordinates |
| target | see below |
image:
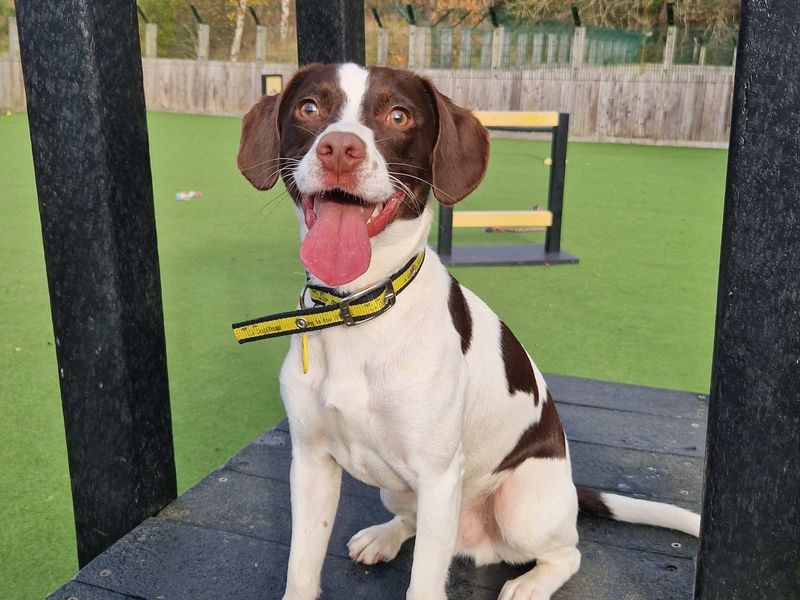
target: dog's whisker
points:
(314, 133)
(405, 165)
(403, 186)
(434, 187)
(270, 160)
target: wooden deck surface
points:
(228, 537)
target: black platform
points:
(518, 254)
(228, 537)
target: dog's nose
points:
(341, 152)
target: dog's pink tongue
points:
(336, 249)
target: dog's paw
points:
(379, 543)
(522, 589)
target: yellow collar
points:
(332, 308)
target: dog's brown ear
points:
(461, 154)
(260, 144)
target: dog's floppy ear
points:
(260, 144)
(461, 154)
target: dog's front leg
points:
(438, 509)
(316, 480)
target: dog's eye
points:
(308, 108)
(399, 117)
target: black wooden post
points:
(555, 192)
(750, 543)
(83, 79)
(330, 31)
(444, 238)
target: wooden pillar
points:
(578, 47)
(383, 46)
(419, 42)
(669, 47)
(330, 31)
(13, 37)
(751, 523)
(203, 38)
(465, 50)
(498, 44)
(261, 44)
(151, 40)
(83, 78)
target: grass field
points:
(639, 308)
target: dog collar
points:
(332, 309)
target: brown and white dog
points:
(435, 401)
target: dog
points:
(433, 400)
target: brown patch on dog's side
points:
(543, 439)
(459, 313)
(519, 372)
(591, 503)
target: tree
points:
(236, 43)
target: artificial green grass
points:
(639, 307)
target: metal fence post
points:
(751, 522)
(83, 77)
(669, 47)
(578, 47)
(203, 39)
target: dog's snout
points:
(341, 152)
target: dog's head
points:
(360, 151)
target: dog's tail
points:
(634, 510)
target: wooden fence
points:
(683, 104)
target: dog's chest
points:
(372, 391)
(359, 396)
(360, 401)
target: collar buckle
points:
(389, 298)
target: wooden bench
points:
(557, 124)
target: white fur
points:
(635, 510)
(353, 80)
(396, 403)
(374, 184)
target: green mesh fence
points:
(440, 34)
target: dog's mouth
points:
(336, 248)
